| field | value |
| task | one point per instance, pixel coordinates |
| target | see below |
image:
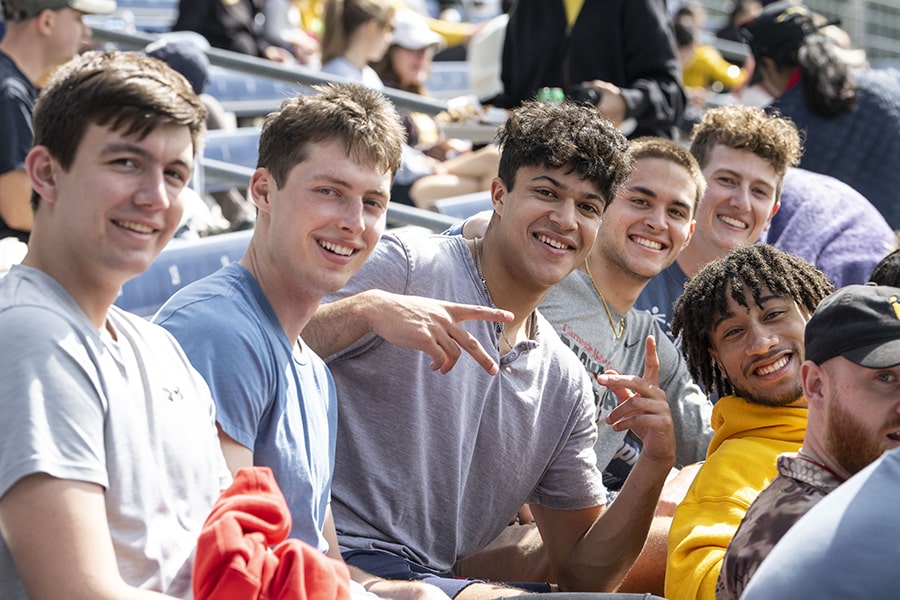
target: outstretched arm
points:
(58, 535)
(592, 549)
(432, 326)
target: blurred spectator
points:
(190, 60)
(742, 12)
(851, 117)
(234, 25)
(703, 66)
(622, 52)
(295, 24)
(40, 36)
(356, 33)
(446, 167)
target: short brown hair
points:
(657, 147)
(125, 90)
(361, 118)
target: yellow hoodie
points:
(740, 462)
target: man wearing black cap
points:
(40, 36)
(851, 380)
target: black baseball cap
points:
(858, 322)
(780, 28)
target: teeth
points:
(773, 367)
(733, 222)
(134, 226)
(553, 243)
(341, 250)
(647, 243)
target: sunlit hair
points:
(771, 137)
(564, 136)
(126, 91)
(361, 118)
(663, 149)
(757, 269)
(344, 17)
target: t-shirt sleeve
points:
(573, 480)
(53, 400)
(233, 358)
(15, 114)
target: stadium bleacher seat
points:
(448, 79)
(235, 146)
(246, 95)
(180, 263)
(465, 205)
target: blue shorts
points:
(390, 566)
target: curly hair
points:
(756, 268)
(828, 87)
(772, 137)
(564, 135)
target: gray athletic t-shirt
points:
(432, 467)
(129, 415)
(574, 310)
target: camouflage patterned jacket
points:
(798, 487)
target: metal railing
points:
(261, 67)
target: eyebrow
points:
(648, 192)
(131, 148)
(734, 173)
(343, 182)
(563, 186)
(762, 302)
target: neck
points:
(357, 52)
(505, 290)
(294, 307)
(628, 286)
(18, 45)
(696, 256)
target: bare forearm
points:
(606, 553)
(338, 324)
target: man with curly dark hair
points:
(741, 321)
(431, 467)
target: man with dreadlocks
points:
(741, 320)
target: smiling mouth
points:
(647, 243)
(553, 243)
(132, 226)
(733, 222)
(772, 367)
(334, 248)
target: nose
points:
(153, 192)
(563, 214)
(760, 340)
(353, 216)
(741, 198)
(656, 219)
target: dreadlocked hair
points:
(757, 268)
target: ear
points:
(814, 382)
(261, 187)
(45, 21)
(690, 235)
(43, 173)
(498, 195)
(775, 208)
(715, 359)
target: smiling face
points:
(112, 212)
(547, 223)
(760, 348)
(322, 224)
(650, 221)
(739, 202)
(862, 410)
